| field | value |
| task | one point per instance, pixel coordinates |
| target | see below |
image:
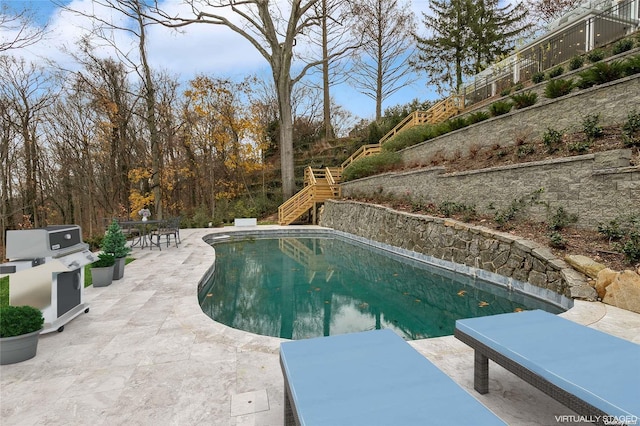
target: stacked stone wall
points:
(596, 187)
(474, 246)
(612, 102)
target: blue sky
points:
(205, 49)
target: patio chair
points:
(168, 229)
(593, 373)
(371, 378)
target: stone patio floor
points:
(145, 354)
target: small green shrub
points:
(632, 65)
(596, 55)
(631, 128)
(579, 147)
(505, 92)
(556, 240)
(371, 165)
(537, 77)
(622, 46)
(612, 230)
(576, 62)
(561, 219)
(590, 126)
(631, 247)
(552, 139)
(456, 123)
(502, 217)
(524, 150)
(477, 117)
(450, 208)
(601, 73)
(409, 137)
(18, 320)
(518, 86)
(114, 241)
(555, 72)
(500, 108)
(104, 260)
(557, 88)
(523, 100)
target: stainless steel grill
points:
(46, 267)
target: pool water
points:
(298, 288)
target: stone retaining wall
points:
(477, 247)
(597, 187)
(612, 101)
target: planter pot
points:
(102, 277)
(18, 348)
(118, 268)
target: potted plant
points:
(20, 327)
(114, 242)
(102, 270)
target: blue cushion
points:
(600, 369)
(374, 378)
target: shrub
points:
(611, 230)
(579, 147)
(477, 117)
(595, 55)
(626, 231)
(561, 219)
(555, 72)
(500, 108)
(18, 320)
(505, 92)
(409, 137)
(557, 88)
(631, 247)
(601, 73)
(518, 86)
(523, 100)
(576, 62)
(114, 241)
(631, 128)
(552, 139)
(371, 165)
(456, 123)
(503, 216)
(622, 46)
(537, 77)
(449, 208)
(557, 240)
(632, 65)
(590, 126)
(104, 260)
(525, 150)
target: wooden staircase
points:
(319, 185)
(323, 184)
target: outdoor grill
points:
(46, 267)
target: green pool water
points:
(298, 288)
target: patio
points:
(145, 354)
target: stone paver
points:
(145, 354)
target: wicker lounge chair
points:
(371, 378)
(591, 372)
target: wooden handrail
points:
(363, 151)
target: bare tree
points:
(542, 12)
(135, 12)
(18, 30)
(267, 27)
(382, 67)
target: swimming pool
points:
(309, 286)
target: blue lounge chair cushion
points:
(601, 369)
(373, 378)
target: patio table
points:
(144, 226)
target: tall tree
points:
(464, 36)
(382, 66)
(443, 52)
(17, 28)
(493, 30)
(267, 27)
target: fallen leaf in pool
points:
(482, 304)
(462, 292)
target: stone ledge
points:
(488, 250)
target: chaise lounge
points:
(371, 378)
(593, 373)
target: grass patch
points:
(371, 165)
(4, 291)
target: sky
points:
(201, 49)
